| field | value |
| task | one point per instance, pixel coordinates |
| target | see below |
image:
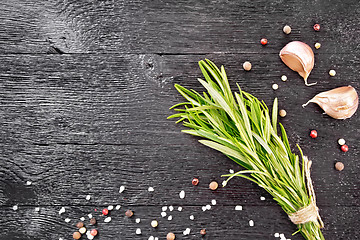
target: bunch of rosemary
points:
(240, 126)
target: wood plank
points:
(220, 222)
(164, 27)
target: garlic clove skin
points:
(299, 57)
(339, 103)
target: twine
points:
(309, 213)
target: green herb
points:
(240, 126)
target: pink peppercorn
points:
(105, 211)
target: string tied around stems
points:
(309, 213)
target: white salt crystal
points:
(182, 194)
(117, 207)
(90, 215)
(138, 220)
(82, 219)
(108, 219)
(28, 183)
(213, 202)
(203, 208)
(150, 189)
(231, 171)
(62, 210)
(151, 238)
(163, 214)
(179, 209)
(122, 188)
(88, 197)
(224, 183)
(156, 238)
(191, 217)
(170, 218)
(67, 220)
(238, 208)
(164, 208)
(37, 209)
(171, 208)
(15, 207)
(138, 231)
(110, 207)
(208, 207)
(90, 237)
(277, 235)
(262, 198)
(251, 223)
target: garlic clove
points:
(339, 103)
(299, 57)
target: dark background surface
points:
(85, 88)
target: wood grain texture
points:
(108, 26)
(90, 115)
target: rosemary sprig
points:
(240, 126)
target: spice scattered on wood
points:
(88, 197)
(108, 219)
(275, 86)
(341, 141)
(171, 208)
(62, 210)
(283, 78)
(92, 221)
(208, 207)
(264, 41)
(170, 218)
(195, 181)
(332, 72)
(67, 220)
(138, 220)
(117, 207)
(82, 230)
(154, 223)
(37, 209)
(203, 208)
(182, 194)
(79, 224)
(287, 29)
(28, 183)
(247, 66)
(90, 215)
(213, 202)
(282, 113)
(110, 207)
(163, 214)
(262, 198)
(15, 207)
(164, 208)
(138, 231)
(313, 134)
(317, 27)
(170, 236)
(213, 185)
(344, 148)
(180, 209)
(339, 166)
(82, 219)
(76, 235)
(203, 232)
(192, 217)
(238, 208)
(251, 223)
(93, 232)
(187, 231)
(105, 211)
(317, 45)
(150, 189)
(121, 189)
(129, 213)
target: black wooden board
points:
(90, 116)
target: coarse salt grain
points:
(62, 210)
(282, 235)
(224, 183)
(88, 197)
(262, 198)
(117, 207)
(171, 208)
(138, 220)
(156, 238)
(110, 207)
(90, 237)
(151, 238)
(182, 194)
(191, 217)
(28, 183)
(164, 208)
(238, 208)
(203, 208)
(275, 86)
(61, 238)
(82, 219)
(122, 188)
(277, 235)
(15, 207)
(208, 207)
(163, 214)
(108, 219)
(67, 220)
(283, 78)
(231, 171)
(341, 141)
(150, 189)
(37, 209)
(213, 202)
(90, 215)
(179, 209)
(251, 223)
(170, 218)
(138, 231)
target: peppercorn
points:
(93, 232)
(195, 181)
(313, 134)
(282, 113)
(105, 211)
(263, 41)
(170, 236)
(247, 66)
(77, 235)
(79, 224)
(203, 231)
(339, 166)
(213, 185)
(317, 27)
(129, 213)
(287, 29)
(92, 221)
(82, 230)
(344, 148)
